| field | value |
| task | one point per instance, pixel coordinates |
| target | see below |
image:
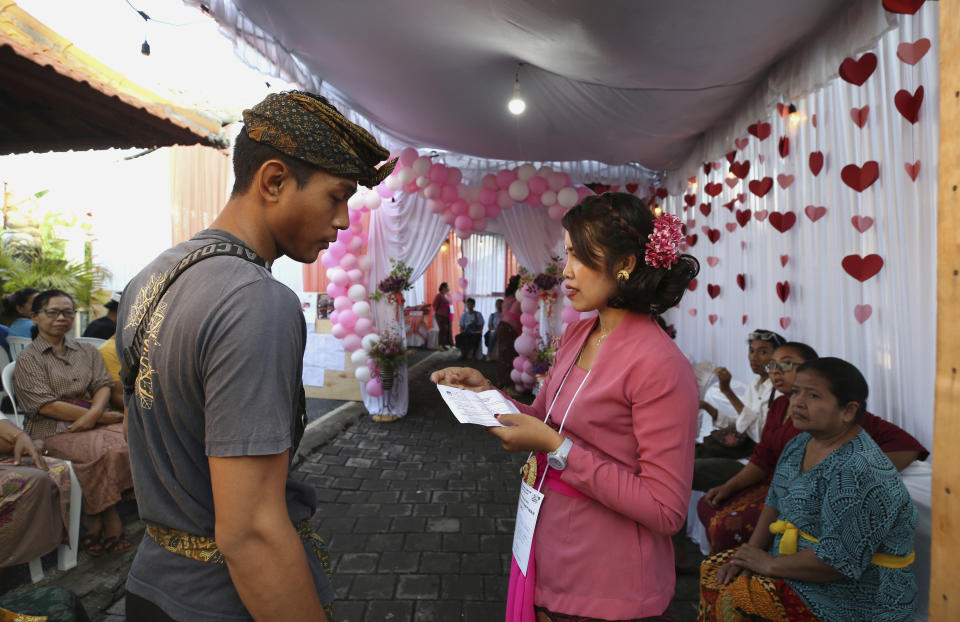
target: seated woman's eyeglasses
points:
(54, 313)
(782, 366)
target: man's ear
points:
(270, 179)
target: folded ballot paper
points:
(478, 408)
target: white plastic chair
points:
(16, 345)
(66, 553)
(96, 342)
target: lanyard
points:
(566, 412)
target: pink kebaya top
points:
(633, 426)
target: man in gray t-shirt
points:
(215, 412)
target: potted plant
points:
(387, 353)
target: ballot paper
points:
(478, 408)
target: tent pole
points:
(945, 545)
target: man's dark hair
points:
(806, 352)
(442, 285)
(471, 301)
(249, 156)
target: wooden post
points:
(945, 527)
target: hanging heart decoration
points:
(713, 318)
(862, 268)
(692, 240)
(706, 168)
(713, 290)
(742, 197)
(693, 285)
(783, 148)
(815, 212)
(913, 170)
(713, 235)
(743, 245)
(742, 281)
(816, 162)
(705, 209)
(857, 71)
(690, 199)
(760, 130)
(713, 261)
(731, 226)
(761, 158)
(729, 204)
(713, 189)
(740, 169)
(760, 215)
(784, 180)
(692, 312)
(906, 7)
(909, 105)
(661, 193)
(784, 259)
(744, 320)
(632, 188)
(813, 120)
(730, 156)
(782, 222)
(743, 217)
(741, 143)
(691, 223)
(862, 313)
(859, 115)
(861, 223)
(784, 323)
(783, 110)
(783, 290)
(716, 165)
(911, 53)
(761, 187)
(860, 177)
(731, 181)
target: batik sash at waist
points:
(791, 535)
(204, 548)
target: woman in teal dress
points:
(835, 538)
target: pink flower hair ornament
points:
(664, 243)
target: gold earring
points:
(623, 275)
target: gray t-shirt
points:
(220, 377)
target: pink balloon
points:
(338, 250)
(492, 211)
(342, 302)
(408, 155)
(345, 235)
(340, 277)
(463, 234)
(384, 192)
(437, 173)
(454, 176)
(504, 200)
(459, 207)
(488, 196)
(529, 305)
(374, 387)
(518, 363)
(335, 319)
(537, 184)
(528, 366)
(528, 319)
(533, 200)
(474, 211)
(556, 211)
(462, 283)
(556, 181)
(433, 191)
(328, 261)
(489, 181)
(505, 178)
(448, 194)
(355, 226)
(339, 331)
(355, 275)
(411, 188)
(463, 222)
(527, 378)
(583, 192)
(448, 218)
(336, 290)
(348, 261)
(364, 326)
(352, 343)
(515, 375)
(348, 319)
(435, 206)
(480, 224)
(524, 345)
(462, 262)
(354, 246)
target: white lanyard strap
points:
(563, 421)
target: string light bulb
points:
(793, 115)
(444, 247)
(516, 105)
(145, 48)
(657, 210)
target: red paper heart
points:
(784, 259)
(693, 285)
(911, 53)
(862, 313)
(760, 187)
(782, 110)
(861, 223)
(740, 169)
(706, 168)
(691, 223)
(783, 147)
(632, 188)
(783, 222)
(816, 162)
(784, 180)
(713, 235)
(815, 212)
(862, 268)
(744, 320)
(730, 156)
(742, 197)
(692, 240)
(860, 178)
(713, 189)
(729, 204)
(712, 317)
(743, 217)
(692, 312)
(783, 290)
(913, 170)
(662, 193)
(742, 281)
(859, 115)
(689, 199)
(813, 120)
(731, 226)
(705, 209)
(716, 165)
(760, 130)
(909, 105)
(713, 261)
(907, 7)
(713, 290)
(857, 71)
(784, 323)
(760, 215)
(731, 181)
(741, 143)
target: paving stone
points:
(399, 562)
(443, 525)
(408, 524)
(389, 611)
(373, 586)
(440, 611)
(349, 610)
(482, 563)
(352, 563)
(371, 524)
(387, 496)
(440, 563)
(461, 543)
(422, 542)
(482, 611)
(387, 542)
(462, 587)
(418, 586)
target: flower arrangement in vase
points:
(387, 353)
(395, 284)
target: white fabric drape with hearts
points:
(795, 281)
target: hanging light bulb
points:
(516, 105)
(444, 247)
(657, 210)
(145, 48)
(794, 116)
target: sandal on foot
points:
(117, 544)
(93, 545)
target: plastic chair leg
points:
(67, 553)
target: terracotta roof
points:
(55, 97)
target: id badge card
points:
(528, 508)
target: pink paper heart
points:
(815, 212)
(761, 158)
(784, 180)
(705, 229)
(692, 312)
(760, 215)
(911, 53)
(862, 313)
(713, 261)
(731, 226)
(784, 323)
(731, 181)
(860, 115)
(861, 223)
(691, 223)
(742, 197)
(741, 143)
(813, 120)
(716, 165)
(784, 259)
(713, 318)
(743, 246)
(744, 320)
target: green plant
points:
(388, 351)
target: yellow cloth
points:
(108, 350)
(791, 536)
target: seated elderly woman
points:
(64, 389)
(34, 498)
(835, 538)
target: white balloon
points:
(422, 182)
(357, 292)
(567, 197)
(393, 182)
(372, 200)
(359, 357)
(363, 372)
(421, 165)
(548, 198)
(355, 201)
(406, 176)
(364, 263)
(369, 340)
(526, 171)
(355, 244)
(519, 190)
(544, 171)
(361, 308)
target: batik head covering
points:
(308, 128)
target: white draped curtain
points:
(533, 237)
(885, 325)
